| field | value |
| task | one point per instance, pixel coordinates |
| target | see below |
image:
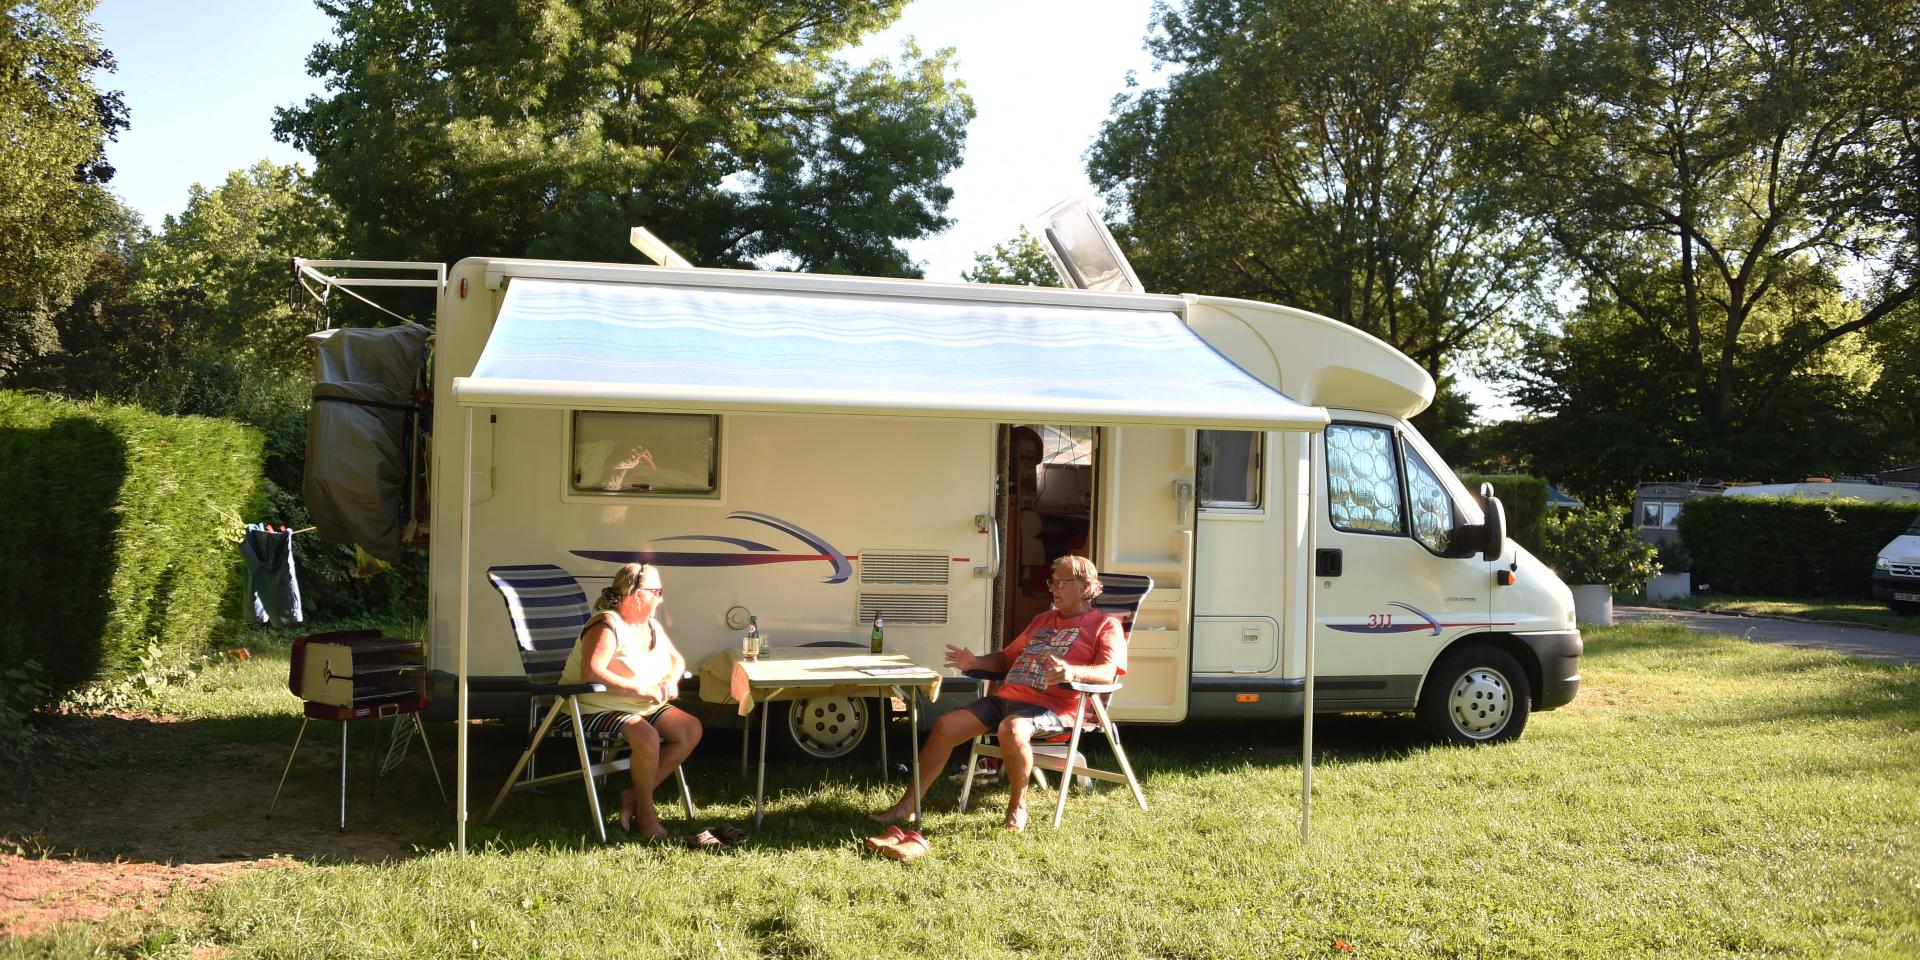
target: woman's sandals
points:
(898, 844)
(726, 836)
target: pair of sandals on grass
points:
(724, 836)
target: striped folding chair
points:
(548, 610)
(1120, 596)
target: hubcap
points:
(1481, 703)
(827, 727)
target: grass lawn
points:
(1704, 797)
(1862, 612)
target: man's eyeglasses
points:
(1061, 583)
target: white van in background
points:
(1896, 572)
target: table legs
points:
(760, 784)
(886, 712)
(913, 723)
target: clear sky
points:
(202, 79)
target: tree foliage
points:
(549, 127)
(1734, 187)
(54, 124)
(1310, 154)
(1019, 261)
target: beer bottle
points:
(878, 639)
(753, 638)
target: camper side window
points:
(645, 454)
(1229, 469)
(1363, 488)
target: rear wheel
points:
(822, 728)
(1476, 695)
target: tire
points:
(823, 728)
(1476, 695)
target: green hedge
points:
(1784, 547)
(1525, 499)
(121, 528)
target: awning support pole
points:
(1306, 719)
(466, 555)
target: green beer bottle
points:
(878, 639)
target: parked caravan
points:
(817, 451)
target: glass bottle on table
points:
(750, 644)
(877, 640)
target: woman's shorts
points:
(607, 723)
(993, 708)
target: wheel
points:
(1476, 695)
(823, 728)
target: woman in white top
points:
(626, 649)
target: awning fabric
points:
(617, 346)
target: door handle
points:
(1183, 502)
(989, 525)
(1326, 562)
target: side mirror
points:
(1496, 526)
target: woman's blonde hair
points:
(626, 582)
(1083, 568)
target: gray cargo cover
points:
(356, 433)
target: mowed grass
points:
(1704, 797)
(1865, 613)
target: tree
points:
(1019, 261)
(549, 127)
(1311, 154)
(55, 125)
(1714, 175)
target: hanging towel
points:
(273, 591)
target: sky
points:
(202, 80)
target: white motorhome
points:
(816, 450)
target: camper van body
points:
(1347, 524)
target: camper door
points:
(1145, 506)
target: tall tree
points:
(1309, 153)
(549, 127)
(55, 124)
(1739, 181)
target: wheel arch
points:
(1508, 643)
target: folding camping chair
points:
(1121, 596)
(548, 610)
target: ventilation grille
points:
(905, 608)
(928, 569)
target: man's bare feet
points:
(1016, 820)
(891, 815)
(627, 811)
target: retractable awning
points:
(615, 346)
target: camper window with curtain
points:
(1363, 486)
(646, 454)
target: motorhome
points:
(819, 451)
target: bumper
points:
(1889, 587)
(1558, 654)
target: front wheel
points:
(1476, 695)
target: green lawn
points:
(1862, 612)
(1704, 797)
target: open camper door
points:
(1146, 524)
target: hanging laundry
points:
(273, 590)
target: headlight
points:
(1881, 563)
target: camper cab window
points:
(1434, 518)
(1229, 470)
(1363, 485)
(1660, 514)
(645, 454)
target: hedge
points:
(1525, 499)
(121, 529)
(1787, 547)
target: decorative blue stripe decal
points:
(760, 553)
(1377, 623)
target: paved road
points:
(1857, 641)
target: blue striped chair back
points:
(548, 610)
(1120, 595)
